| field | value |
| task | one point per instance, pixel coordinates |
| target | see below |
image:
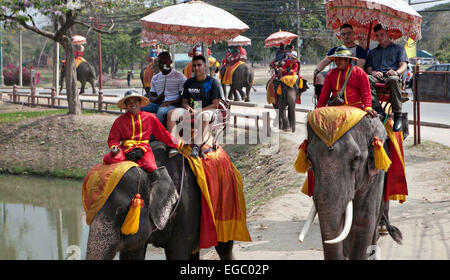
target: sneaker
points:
(195, 151)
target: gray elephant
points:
(348, 191)
(286, 102)
(242, 78)
(170, 217)
(85, 73)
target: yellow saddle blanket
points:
(228, 76)
(98, 185)
(290, 80)
(330, 123)
(78, 61)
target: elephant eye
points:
(355, 162)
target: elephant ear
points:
(376, 130)
(163, 196)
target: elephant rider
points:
(280, 54)
(235, 54)
(291, 65)
(386, 64)
(166, 88)
(357, 91)
(346, 33)
(130, 134)
(200, 99)
(79, 52)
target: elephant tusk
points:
(308, 223)
(347, 225)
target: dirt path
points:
(423, 218)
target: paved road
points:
(430, 112)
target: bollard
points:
(33, 92)
(100, 100)
(15, 94)
(52, 95)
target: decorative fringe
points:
(131, 223)
(301, 163)
(382, 161)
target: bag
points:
(135, 154)
(338, 100)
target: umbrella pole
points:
(368, 37)
(205, 54)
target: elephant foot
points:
(247, 99)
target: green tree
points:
(65, 13)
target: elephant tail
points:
(394, 232)
(254, 89)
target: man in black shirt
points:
(201, 94)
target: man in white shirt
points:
(166, 87)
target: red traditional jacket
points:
(357, 93)
(291, 63)
(129, 131)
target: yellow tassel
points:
(279, 90)
(300, 83)
(131, 223)
(301, 163)
(382, 161)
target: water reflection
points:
(40, 218)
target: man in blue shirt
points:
(386, 64)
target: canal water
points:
(43, 219)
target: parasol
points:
(192, 23)
(396, 16)
(278, 38)
(78, 40)
(240, 41)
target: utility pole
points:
(1, 56)
(55, 81)
(298, 27)
(20, 58)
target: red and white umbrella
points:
(192, 23)
(240, 41)
(278, 38)
(78, 40)
(399, 18)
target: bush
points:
(11, 75)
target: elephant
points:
(286, 101)
(348, 191)
(177, 232)
(242, 77)
(85, 73)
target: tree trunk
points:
(73, 98)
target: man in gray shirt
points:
(385, 64)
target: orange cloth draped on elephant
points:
(223, 213)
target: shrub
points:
(11, 75)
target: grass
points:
(73, 173)
(19, 116)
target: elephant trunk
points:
(104, 239)
(347, 225)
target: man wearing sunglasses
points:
(346, 33)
